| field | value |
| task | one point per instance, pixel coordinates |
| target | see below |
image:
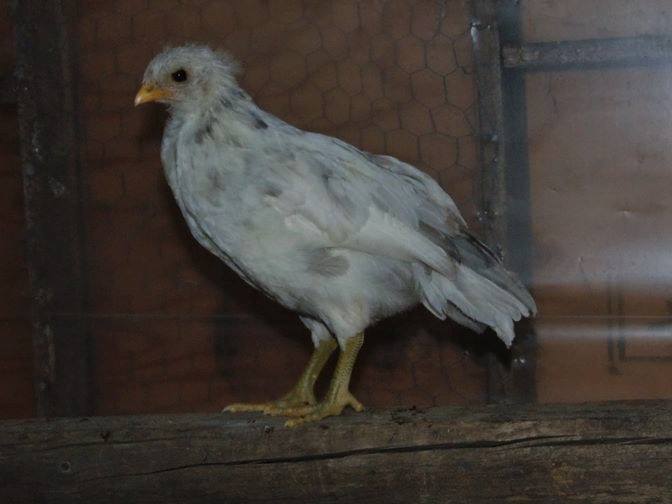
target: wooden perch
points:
(614, 452)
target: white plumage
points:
(341, 236)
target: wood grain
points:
(52, 188)
(612, 452)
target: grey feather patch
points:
(205, 130)
(325, 263)
(479, 258)
(258, 122)
(441, 240)
(273, 191)
(379, 200)
(240, 94)
(337, 190)
(454, 313)
(471, 246)
(217, 180)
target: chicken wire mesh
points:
(173, 330)
(388, 77)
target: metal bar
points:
(52, 194)
(643, 50)
(504, 183)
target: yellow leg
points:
(302, 394)
(338, 396)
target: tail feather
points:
(449, 310)
(468, 250)
(473, 299)
(480, 293)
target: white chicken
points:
(342, 237)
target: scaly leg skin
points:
(302, 395)
(338, 396)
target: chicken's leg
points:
(302, 396)
(338, 396)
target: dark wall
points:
(16, 389)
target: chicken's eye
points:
(180, 75)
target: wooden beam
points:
(46, 95)
(643, 50)
(613, 452)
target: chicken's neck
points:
(230, 118)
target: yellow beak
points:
(150, 93)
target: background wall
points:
(16, 389)
(600, 158)
(175, 331)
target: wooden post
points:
(47, 106)
(612, 452)
(504, 184)
(485, 39)
(7, 89)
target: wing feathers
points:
(381, 206)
